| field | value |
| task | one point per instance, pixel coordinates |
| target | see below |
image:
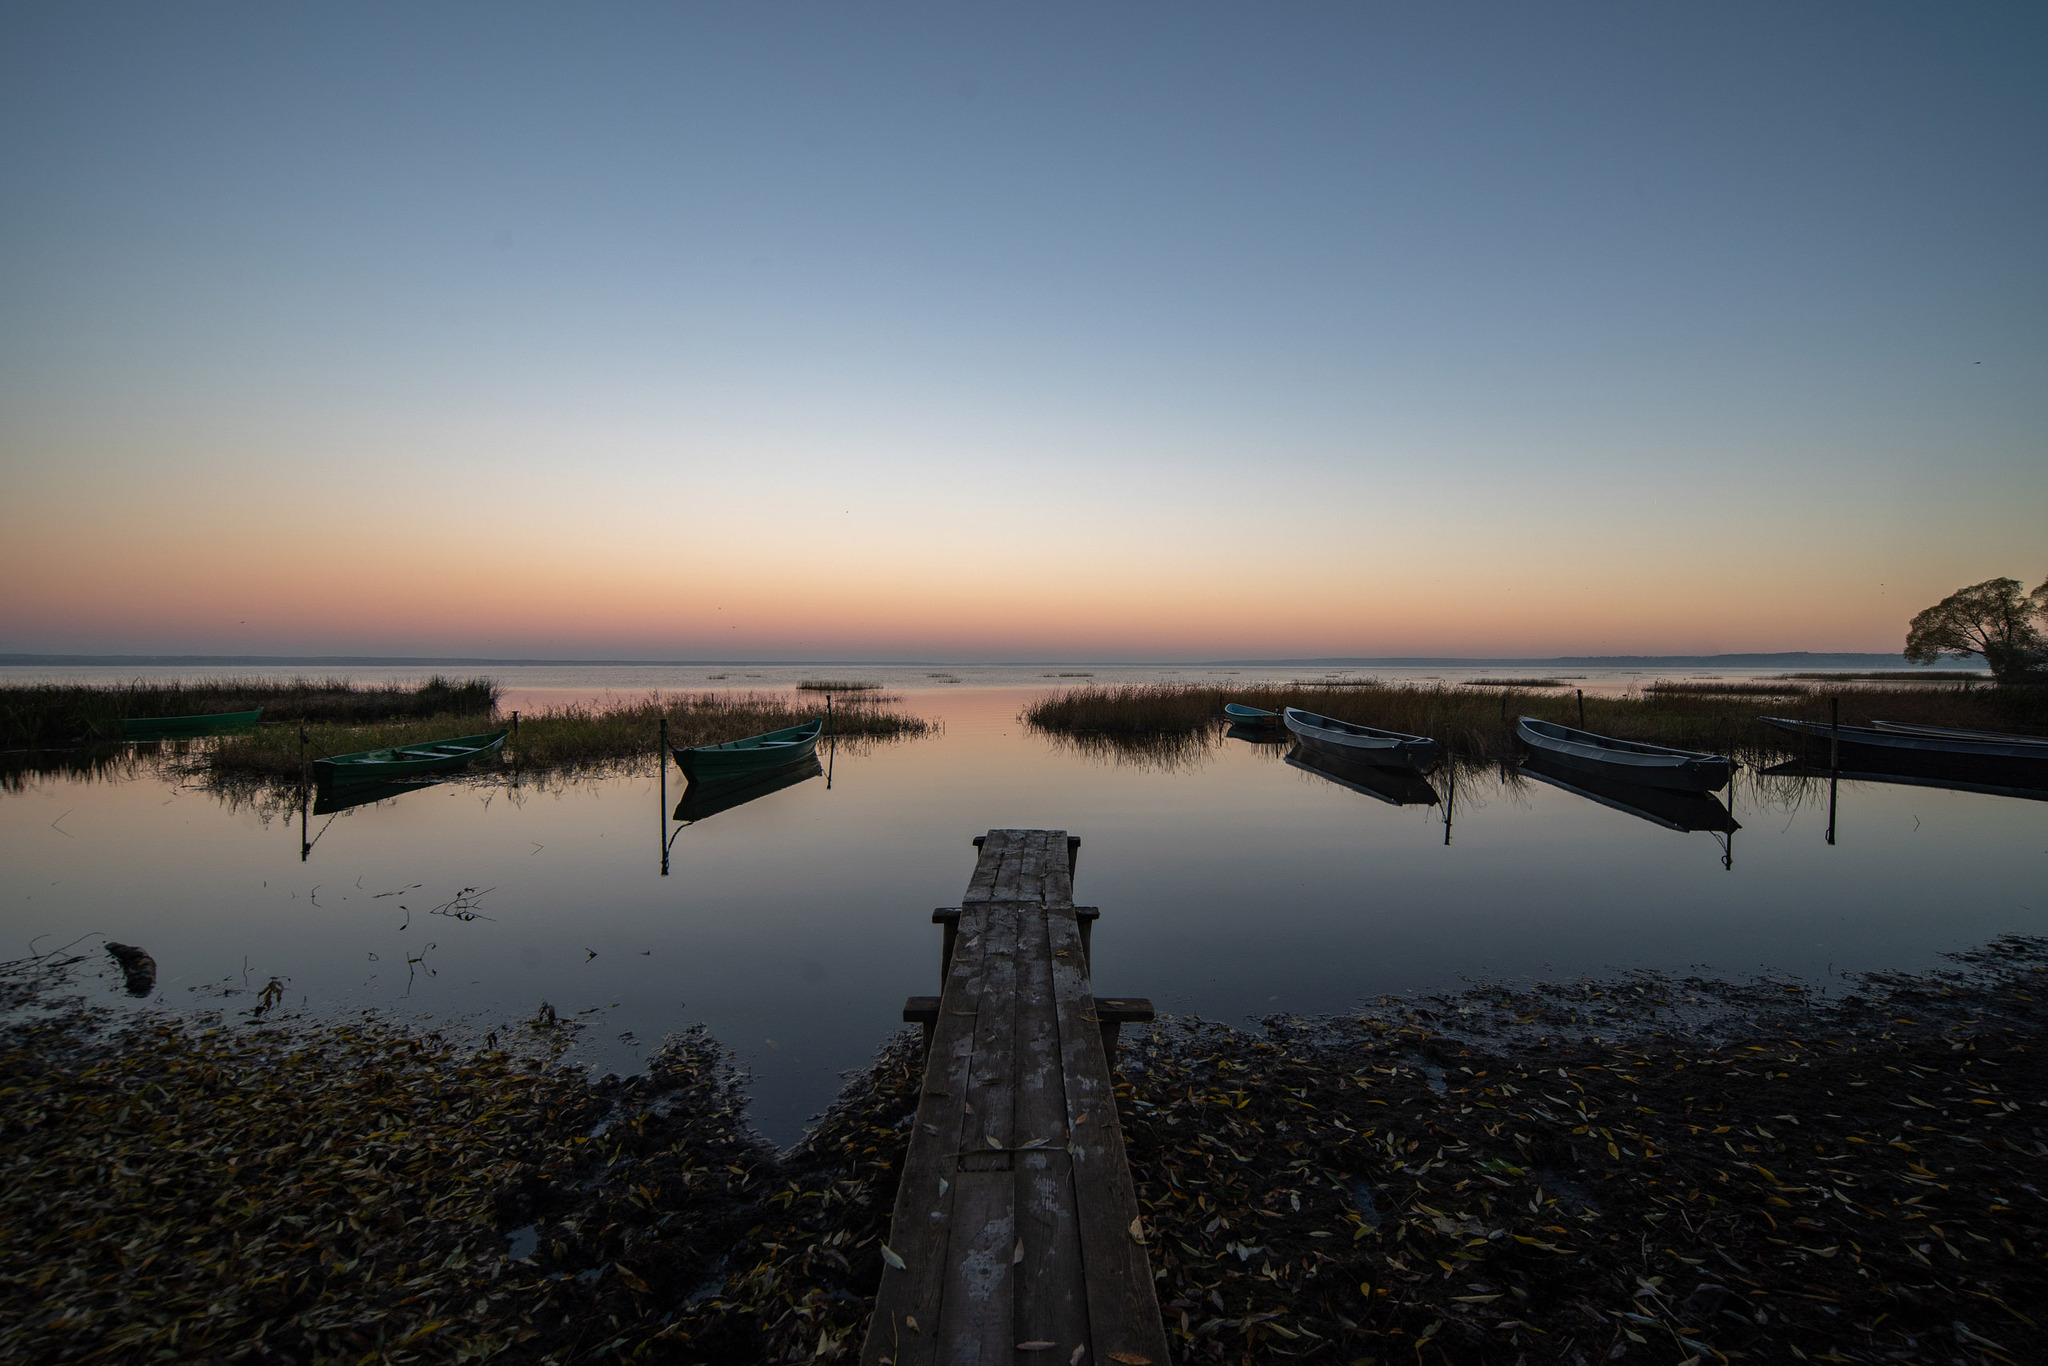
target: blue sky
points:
(1695, 326)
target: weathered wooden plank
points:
(1123, 1309)
(1058, 880)
(926, 1194)
(1013, 1220)
(988, 863)
(1015, 848)
(1052, 1302)
(976, 1299)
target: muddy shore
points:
(1641, 1168)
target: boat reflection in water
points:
(1394, 786)
(1960, 780)
(1257, 735)
(1685, 812)
(327, 800)
(702, 800)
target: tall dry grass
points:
(577, 737)
(42, 715)
(1479, 722)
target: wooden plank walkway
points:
(1016, 1224)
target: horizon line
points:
(1724, 660)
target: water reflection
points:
(1814, 773)
(799, 919)
(19, 768)
(1685, 812)
(1394, 786)
(702, 800)
(327, 800)
(1167, 752)
(1257, 735)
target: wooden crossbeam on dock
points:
(1016, 1236)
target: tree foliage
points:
(1998, 619)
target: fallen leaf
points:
(889, 1256)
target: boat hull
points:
(406, 761)
(1363, 744)
(754, 754)
(1237, 714)
(1674, 770)
(1800, 768)
(1984, 762)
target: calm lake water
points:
(1231, 884)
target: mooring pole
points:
(515, 725)
(1582, 708)
(661, 762)
(1450, 800)
(1834, 732)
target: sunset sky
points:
(956, 332)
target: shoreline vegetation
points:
(1477, 720)
(345, 718)
(1640, 1168)
(55, 715)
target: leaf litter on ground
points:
(1643, 1168)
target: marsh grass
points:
(1479, 723)
(1663, 688)
(837, 685)
(576, 738)
(1905, 676)
(51, 715)
(1514, 682)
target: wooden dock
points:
(1016, 1236)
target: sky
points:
(1133, 332)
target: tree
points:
(1997, 619)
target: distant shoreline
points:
(1783, 659)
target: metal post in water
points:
(1450, 801)
(661, 762)
(1582, 708)
(515, 725)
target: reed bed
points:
(837, 685)
(1479, 723)
(576, 737)
(54, 715)
(1677, 688)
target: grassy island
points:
(1642, 1169)
(342, 718)
(1477, 720)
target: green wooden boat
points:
(751, 755)
(169, 727)
(406, 761)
